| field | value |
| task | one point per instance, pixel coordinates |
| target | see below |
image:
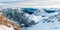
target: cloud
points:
(34, 3)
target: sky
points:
(30, 3)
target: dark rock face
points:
(48, 11)
(6, 22)
(29, 10)
(19, 17)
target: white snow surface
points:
(45, 26)
(3, 27)
(36, 18)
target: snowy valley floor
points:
(45, 26)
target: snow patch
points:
(3, 27)
(36, 18)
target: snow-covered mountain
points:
(34, 18)
(47, 18)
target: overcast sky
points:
(30, 3)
